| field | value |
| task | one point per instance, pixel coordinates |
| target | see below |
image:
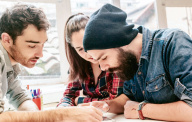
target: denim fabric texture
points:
(165, 68)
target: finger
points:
(105, 107)
(99, 112)
(97, 103)
(102, 105)
(93, 119)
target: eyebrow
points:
(31, 41)
(78, 47)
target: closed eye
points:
(104, 58)
(32, 46)
(80, 49)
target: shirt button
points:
(139, 73)
(156, 87)
(143, 92)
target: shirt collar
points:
(146, 42)
(9, 67)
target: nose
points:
(39, 52)
(104, 67)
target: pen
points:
(35, 93)
(31, 93)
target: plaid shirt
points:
(108, 87)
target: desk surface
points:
(120, 118)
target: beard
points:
(127, 65)
(20, 58)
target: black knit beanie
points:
(107, 28)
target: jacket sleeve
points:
(179, 64)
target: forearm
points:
(177, 111)
(37, 116)
(117, 104)
(18, 116)
(28, 105)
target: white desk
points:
(121, 118)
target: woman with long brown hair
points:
(84, 73)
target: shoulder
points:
(166, 33)
(172, 37)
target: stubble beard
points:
(18, 57)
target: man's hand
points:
(83, 114)
(102, 105)
(130, 110)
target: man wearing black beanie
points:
(157, 66)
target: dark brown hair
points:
(16, 19)
(79, 68)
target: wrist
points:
(140, 107)
(76, 101)
(80, 100)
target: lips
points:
(33, 61)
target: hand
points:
(130, 110)
(83, 114)
(102, 105)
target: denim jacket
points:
(165, 68)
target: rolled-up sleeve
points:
(127, 90)
(16, 94)
(184, 93)
(72, 91)
(1, 104)
(179, 64)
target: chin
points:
(115, 72)
(94, 62)
(28, 66)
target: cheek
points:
(81, 54)
(28, 53)
(116, 61)
(113, 63)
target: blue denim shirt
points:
(165, 68)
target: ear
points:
(6, 39)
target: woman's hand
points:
(102, 105)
